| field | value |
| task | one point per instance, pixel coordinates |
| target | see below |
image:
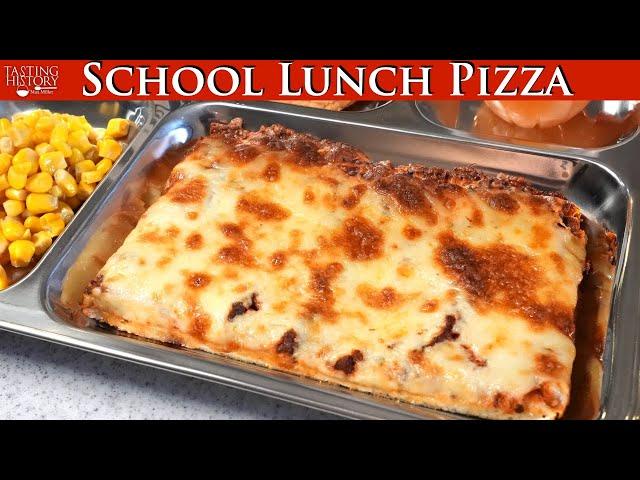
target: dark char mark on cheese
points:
(446, 332)
(288, 344)
(240, 308)
(348, 363)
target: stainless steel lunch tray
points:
(605, 183)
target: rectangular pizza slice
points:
(449, 289)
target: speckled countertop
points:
(43, 380)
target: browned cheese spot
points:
(385, 299)
(309, 196)
(200, 321)
(502, 201)
(540, 236)
(429, 306)
(271, 172)
(411, 233)
(360, 239)
(262, 209)
(288, 343)
(410, 196)
(278, 260)
(545, 393)
(239, 251)
(446, 332)
(163, 261)
(353, 197)
(194, 241)
(198, 280)
(473, 356)
(548, 364)
(322, 297)
(175, 177)
(192, 215)
(194, 191)
(498, 276)
(348, 363)
(477, 218)
(557, 261)
(157, 236)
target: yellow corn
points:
(39, 137)
(97, 134)
(45, 124)
(27, 155)
(4, 183)
(78, 139)
(84, 166)
(6, 145)
(42, 241)
(84, 190)
(12, 228)
(66, 182)
(26, 235)
(76, 156)
(65, 211)
(20, 134)
(52, 161)
(21, 252)
(16, 176)
(92, 153)
(5, 126)
(91, 177)
(109, 148)
(43, 148)
(117, 128)
(56, 191)
(52, 223)
(63, 147)
(13, 194)
(5, 162)
(41, 203)
(13, 207)
(4, 279)
(59, 133)
(40, 182)
(33, 223)
(104, 165)
(4, 243)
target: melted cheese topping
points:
(462, 300)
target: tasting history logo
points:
(32, 79)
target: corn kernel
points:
(24, 167)
(33, 223)
(5, 126)
(76, 156)
(59, 133)
(109, 148)
(78, 139)
(43, 148)
(20, 134)
(6, 145)
(21, 252)
(56, 191)
(13, 194)
(65, 211)
(12, 228)
(13, 207)
(4, 243)
(92, 154)
(39, 137)
(91, 177)
(73, 202)
(26, 235)
(118, 127)
(4, 183)
(39, 183)
(5, 162)
(52, 223)
(84, 190)
(63, 147)
(15, 176)
(97, 134)
(52, 161)
(45, 124)
(66, 182)
(84, 166)
(104, 165)
(27, 155)
(42, 241)
(41, 203)
(4, 279)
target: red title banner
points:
(319, 80)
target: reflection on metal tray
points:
(603, 183)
